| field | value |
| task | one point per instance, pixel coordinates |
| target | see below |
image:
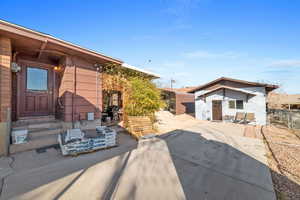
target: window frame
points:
(27, 78)
(236, 104)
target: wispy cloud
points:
(180, 8)
(210, 55)
(286, 63)
(180, 12)
(172, 69)
(173, 64)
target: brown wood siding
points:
(66, 90)
(5, 77)
(211, 87)
(185, 103)
(238, 85)
(78, 90)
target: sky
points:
(190, 41)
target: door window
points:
(37, 79)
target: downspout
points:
(74, 92)
(97, 89)
(97, 95)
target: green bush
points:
(143, 97)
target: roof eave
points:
(26, 32)
(272, 87)
(151, 74)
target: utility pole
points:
(172, 81)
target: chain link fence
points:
(287, 118)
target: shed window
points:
(239, 104)
(232, 104)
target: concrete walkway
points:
(49, 175)
(214, 165)
(149, 174)
(197, 162)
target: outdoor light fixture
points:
(15, 67)
(57, 68)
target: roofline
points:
(9, 27)
(174, 91)
(43, 37)
(140, 70)
(272, 87)
(228, 88)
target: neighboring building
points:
(224, 97)
(283, 101)
(47, 84)
(178, 101)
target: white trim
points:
(140, 70)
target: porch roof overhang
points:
(226, 88)
(151, 74)
(38, 41)
(35, 43)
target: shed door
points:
(217, 110)
(36, 91)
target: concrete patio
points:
(197, 162)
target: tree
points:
(142, 97)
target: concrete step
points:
(38, 125)
(33, 120)
(37, 133)
(34, 143)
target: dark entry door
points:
(217, 110)
(36, 91)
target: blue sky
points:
(191, 41)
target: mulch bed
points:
(284, 161)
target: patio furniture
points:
(239, 117)
(250, 118)
(228, 118)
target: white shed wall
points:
(256, 103)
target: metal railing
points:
(287, 118)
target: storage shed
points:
(222, 98)
(178, 101)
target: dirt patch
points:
(166, 121)
(284, 161)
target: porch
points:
(47, 86)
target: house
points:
(47, 85)
(222, 98)
(283, 101)
(178, 100)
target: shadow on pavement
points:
(205, 169)
(209, 169)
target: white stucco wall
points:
(256, 103)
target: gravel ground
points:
(284, 161)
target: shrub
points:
(142, 97)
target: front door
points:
(217, 110)
(36, 91)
